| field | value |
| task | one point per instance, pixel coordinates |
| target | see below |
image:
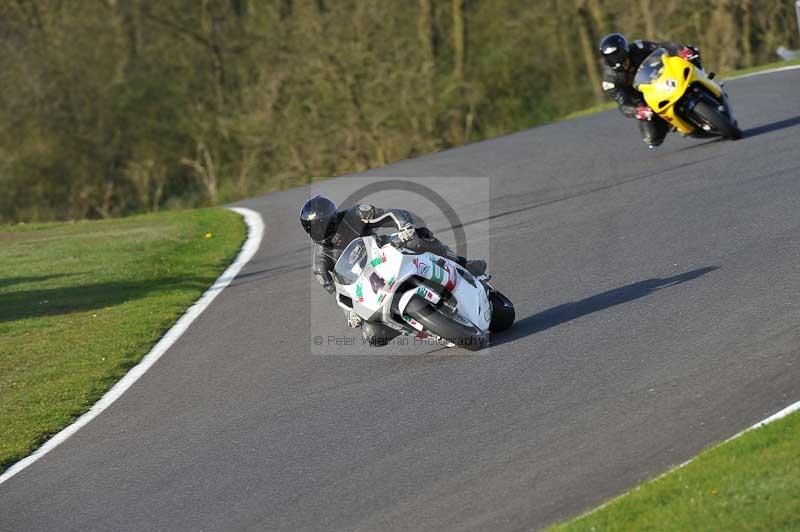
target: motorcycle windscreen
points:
(351, 263)
(650, 69)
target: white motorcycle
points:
(419, 294)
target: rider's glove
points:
(354, 320)
(643, 112)
(689, 53)
(405, 234)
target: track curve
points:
(656, 294)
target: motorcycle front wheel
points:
(447, 327)
(712, 116)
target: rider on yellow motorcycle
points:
(620, 62)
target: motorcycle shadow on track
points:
(566, 312)
(748, 133)
(774, 126)
(696, 146)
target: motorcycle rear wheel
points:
(503, 313)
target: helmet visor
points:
(320, 229)
(615, 56)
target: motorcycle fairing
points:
(387, 268)
(670, 84)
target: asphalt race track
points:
(658, 310)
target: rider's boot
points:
(476, 267)
(427, 242)
(653, 131)
(376, 334)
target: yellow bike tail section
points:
(676, 77)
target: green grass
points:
(590, 110)
(750, 483)
(81, 303)
(605, 106)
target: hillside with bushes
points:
(111, 107)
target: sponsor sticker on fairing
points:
(438, 274)
(378, 260)
(422, 267)
(411, 321)
(359, 293)
(424, 292)
(451, 279)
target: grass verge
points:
(723, 75)
(81, 303)
(750, 483)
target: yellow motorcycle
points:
(685, 96)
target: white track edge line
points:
(255, 226)
(774, 417)
(766, 421)
(795, 407)
(255, 232)
(762, 72)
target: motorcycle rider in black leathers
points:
(332, 230)
(620, 62)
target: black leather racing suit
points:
(618, 84)
(362, 220)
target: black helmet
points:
(318, 217)
(614, 48)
